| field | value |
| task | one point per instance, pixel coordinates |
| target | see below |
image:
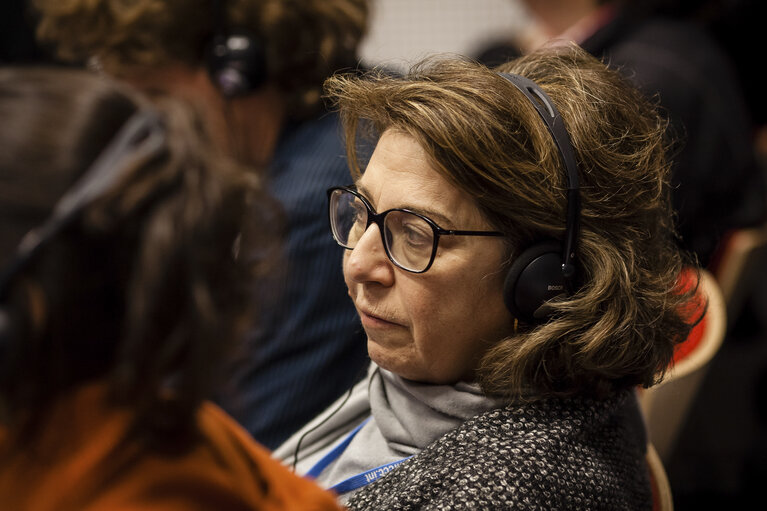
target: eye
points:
(359, 212)
(416, 233)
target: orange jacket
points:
(82, 464)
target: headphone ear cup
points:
(236, 63)
(534, 278)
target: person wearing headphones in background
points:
(511, 256)
(256, 69)
(128, 249)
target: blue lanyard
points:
(353, 482)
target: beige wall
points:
(405, 30)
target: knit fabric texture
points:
(556, 454)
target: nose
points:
(367, 261)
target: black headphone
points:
(235, 58)
(141, 138)
(546, 269)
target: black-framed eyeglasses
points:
(410, 239)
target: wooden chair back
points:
(742, 255)
(666, 404)
(661, 489)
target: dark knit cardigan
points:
(555, 454)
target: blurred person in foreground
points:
(255, 68)
(512, 259)
(717, 184)
(128, 249)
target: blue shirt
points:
(308, 346)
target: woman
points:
(119, 305)
(283, 50)
(515, 287)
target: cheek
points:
(441, 315)
(464, 311)
(422, 304)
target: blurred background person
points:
(256, 68)
(718, 185)
(128, 250)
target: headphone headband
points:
(141, 138)
(553, 120)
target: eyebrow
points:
(439, 218)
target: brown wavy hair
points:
(141, 290)
(620, 327)
(305, 41)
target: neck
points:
(246, 127)
(255, 122)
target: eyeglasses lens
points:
(349, 218)
(409, 238)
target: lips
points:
(372, 319)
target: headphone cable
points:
(323, 421)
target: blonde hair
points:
(621, 326)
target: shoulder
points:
(555, 453)
(239, 473)
(661, 53)
(224, 469)
(98, 470)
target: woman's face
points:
(434, 326)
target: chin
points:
(404, 368)
(398, 365)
